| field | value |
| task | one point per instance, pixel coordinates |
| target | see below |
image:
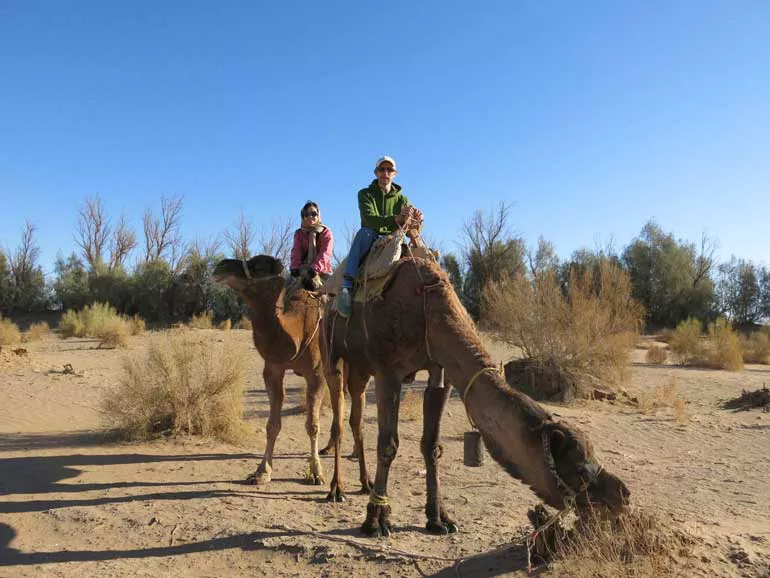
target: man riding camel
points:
(384, 209)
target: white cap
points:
(384, 160)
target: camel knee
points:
(431, 452)
(387, 448)
(312, 429)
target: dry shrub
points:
(585, 331)
(243, 323)
(226, 325)
(636, 544)
(203, 321)
(136, 325)
(37, 331)
(99, 320)
(180, 386)
(664, 397)
(756, 348)
(71, 324)
(724, 348)
(685, 342)
(9, 332)
(112, 332)
(750, 399)
(411, 405)
(656, 354)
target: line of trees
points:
(163, 278)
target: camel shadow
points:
(43, 474)
(494, 563)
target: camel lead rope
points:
(468, 388)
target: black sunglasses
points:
(310, 214)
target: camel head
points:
(575, 471)
(240, 274)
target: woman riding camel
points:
(311, 253)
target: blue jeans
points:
(362, 242)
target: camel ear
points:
(558, 441)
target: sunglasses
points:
(386, 170)
(310, 214)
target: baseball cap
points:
(384, 160)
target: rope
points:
(307, 343)
(468, 388)
(378, 500)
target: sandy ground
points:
(74, 502)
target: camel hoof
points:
(314, 480)
(336, 496)
(258, 479)
(441, 528)
(326, 451)
(366, 487)
(370, 530)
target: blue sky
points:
(589, 118)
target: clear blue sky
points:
(589, 117)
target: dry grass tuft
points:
(656, 354)
(226, 325)
(756, 348)
(203, 321)
(411, 405)
(586, 331)
(724, 347)
(36, 331)
(243, 323)
(664, 397)
(685, 342)
(99, 320)
(637, 544)
(9, 332)
(136, 325)
(180, 386)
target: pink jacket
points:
(324, 245)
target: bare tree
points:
(93, 231)
(490, 252)
(26, 276)
(343, 242)
(162, 239)
(704, 262)
(240, 241)
(122, 243)
(543, 259)
(204, 250)
(277, 239)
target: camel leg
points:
(334, 379)
(273, 376)
(434, 402)
(357, 385)
(334, 376)
(315, 386)
(388, 389)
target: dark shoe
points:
(345, 302)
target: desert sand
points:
(76, 502)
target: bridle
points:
(589, 472)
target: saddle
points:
(377, 268)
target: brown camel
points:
(420, 322)
(287, 337)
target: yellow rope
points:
(378, 500)
(468, 388)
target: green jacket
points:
(378, 210)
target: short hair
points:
(306, 206)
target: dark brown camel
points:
(389, 338)
(286, 338)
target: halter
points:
(590, 470)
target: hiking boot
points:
(345, 302)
